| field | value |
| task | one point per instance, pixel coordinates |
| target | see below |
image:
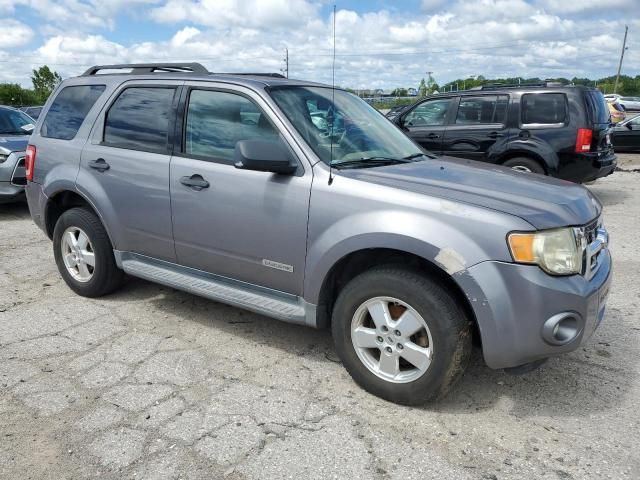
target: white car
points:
(629, 103)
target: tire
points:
(104, 276)
(525, 164)
(448, 334)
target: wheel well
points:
(60, 203)
(358, 262)
(530, 155)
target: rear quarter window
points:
(598, 109)
(68, 111)
(544, 108)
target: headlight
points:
(556, 251)
(3, 158)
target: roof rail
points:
(274, 75)
(142, 68)
(493, 86)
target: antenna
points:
(333, 96)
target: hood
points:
(544, 202)
(13, 143)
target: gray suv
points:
(223, 185)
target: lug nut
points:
(397, 332)
(380, 339)
(388, 349)
(384, 329)
(400, 347)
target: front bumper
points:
(12, 178)
(513, 302)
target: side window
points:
(431, 112)
(216, 121)
(68, 111)
(544, 108)
(489, 109)
(139, 119)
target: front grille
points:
(19, 177)
(593, 240)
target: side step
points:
(281, 306)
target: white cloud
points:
(14, 34)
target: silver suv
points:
(229, 187)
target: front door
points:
(246, 225)
(479, 127)
(426, 123)
(125, 169)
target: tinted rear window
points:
(544, 108)
(68, 111)
(139, 119)
(597, 106)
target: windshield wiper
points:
(421, 154)
(366, 162)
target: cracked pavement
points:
(155, 383)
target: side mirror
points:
(629, 125)
(263, 156)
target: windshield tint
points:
(349, 126)
(12, 121)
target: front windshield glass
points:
(349, 126)
(13, 121)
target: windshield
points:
(349, 126)
(13, 121)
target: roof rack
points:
(493, 86)
(143, 68)
(274, 75)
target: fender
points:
(429, 237)
(531, 147)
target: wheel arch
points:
(356, 262)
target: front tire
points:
(84, 254)
(401, 335)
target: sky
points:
(379, 43)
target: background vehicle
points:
(33, 112)
(224, 186)
(617, 111)
(395, 111)
(626, 135)
(15, 129)
(526, 127)
(629, 104)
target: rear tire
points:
(84, 254)
(525, 164)
(368, 347)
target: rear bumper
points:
(37, 201)
(515, 304)
(586, 167)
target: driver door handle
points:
(195, 182)
(433, 135)
(495, 135)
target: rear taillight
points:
(583, 140)
(30, 162)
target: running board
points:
(271, 303)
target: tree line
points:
(44, 81)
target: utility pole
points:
(285, 70)
(429, 82)
(624, 47)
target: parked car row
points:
(301, 202)
(628, 104)
(15, 129)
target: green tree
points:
(44, 82)
(422, 88)
(399, 92)
(14, 94)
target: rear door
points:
(627, 135)
(426, 122)
(124, 169)
(478, 128)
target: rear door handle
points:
(195, 182)
(99, 165)
(495, 135)
(433, 135)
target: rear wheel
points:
(84, 254)
(400, 335)
(525, 164)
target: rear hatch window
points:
(68, 111)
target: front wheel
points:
(401, 335)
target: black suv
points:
(562, 131)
